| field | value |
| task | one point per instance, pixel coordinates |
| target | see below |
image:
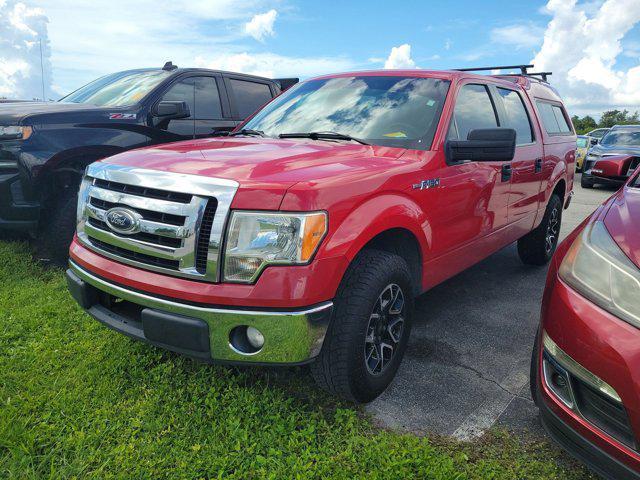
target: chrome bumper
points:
(291, 337)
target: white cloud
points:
(400, 58)
(21, 72)
(581, 48)
(273, 65)
(261, 25)
(519, 36)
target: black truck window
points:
(249, 96)
(200, 93)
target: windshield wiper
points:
(322, 136)
(248, 132)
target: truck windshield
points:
(391, 111)
(622, 137)
(118, 89)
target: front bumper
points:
(614, 182)
(16, 212)
(597, 459)
(607, 348)
(201, 331)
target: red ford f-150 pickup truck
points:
(304, 237)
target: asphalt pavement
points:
(467, 363)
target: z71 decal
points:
(122, 116)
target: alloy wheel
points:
(385, 328)
(553, 229)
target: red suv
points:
(586, 363)
(304, 236)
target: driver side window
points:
(474, 109)
(182, 91)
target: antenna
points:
(42, 70)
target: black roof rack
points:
(524, 70)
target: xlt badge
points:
(425, 184)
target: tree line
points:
(608, 120)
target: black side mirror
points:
(172, 110)
(593, 141)
(483, 145)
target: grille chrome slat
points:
(132, 244)
(159, 217)
(140, 202)
(150, 238)
(146, 226)
(179, 224)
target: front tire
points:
(538, 246)
(370, 328)
(57, 230)
(585, 182)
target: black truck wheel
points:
(370, 328)
(539, 245)
(57, 227)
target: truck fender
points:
(64, 170)
(373, 217)
(559, 173)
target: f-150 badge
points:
(426, 184)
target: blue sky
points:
(593, 46)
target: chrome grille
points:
(179, 218)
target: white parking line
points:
(486, 415)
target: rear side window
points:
(249, 96)
(517, 117)
(474, 109)
(560, 118)
(553, 119)
(200, 93)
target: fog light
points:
(246, 340)
(557, 379)
(255, 337)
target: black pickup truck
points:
(45, 147)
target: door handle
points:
(506, 172)
(538, 165)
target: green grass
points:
(80, 401)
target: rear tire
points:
(539, 245)
(57, 230)
(367, 337)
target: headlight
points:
(597, 268)
(256, 240)
(15, 132)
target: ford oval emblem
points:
(123, 220)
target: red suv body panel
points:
(600, 342)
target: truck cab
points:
(306, 236)
(46, 146)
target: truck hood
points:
(606, 150)
(18, 113)
(621, 222)
(262, 159)
(266, 168)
